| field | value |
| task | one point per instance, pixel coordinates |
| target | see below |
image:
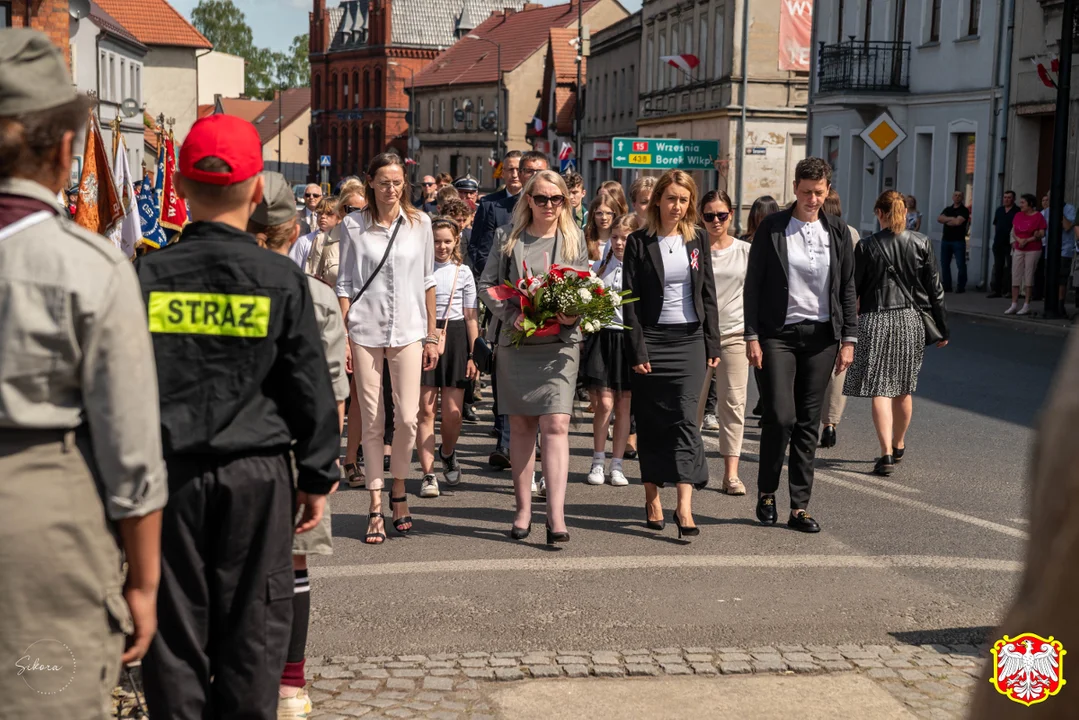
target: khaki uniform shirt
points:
(331, 328)
(75, 350)
(324, 257)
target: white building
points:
(937, 69)
(220, 74)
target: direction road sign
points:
(664, 154)
(324, 161)
(568, 164)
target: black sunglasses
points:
(554, 200)
(428, 184)
(711, 217)
(349, 209)
(307, 195)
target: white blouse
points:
(809, 259)
(612, 280)
(393, 310)
(677, 283)
(729, 270)
(464, 295)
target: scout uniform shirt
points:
(240, 363)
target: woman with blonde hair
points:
(673, 333)
(386, 288)
(618, 194)
(897, 282)
(597, 230)
(536, 381)
(640, 193)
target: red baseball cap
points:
(229, 138)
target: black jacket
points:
(642, 275)
(494, 211)
(766, 293)
(911, 254)
(240, 364)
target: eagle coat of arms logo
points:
(1028, 668)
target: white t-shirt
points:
(301, 249)
(612, 280)
(729, 270)
(464, 295)
(677, 283)
(809, 259)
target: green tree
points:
(294, 67)
(224, 25)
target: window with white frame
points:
(974, 11)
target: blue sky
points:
(275, 22)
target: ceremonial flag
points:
(98, 208)
(173, 209)
(126, 236)
(685, 63)
(159, 175)
(152, 234)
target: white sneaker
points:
(429, 488)
(618, 478)
(1025, 310)
(1011, 309)
(296, 707)
(541, 490)
(535, 489)
(710, 422)
(595, 475)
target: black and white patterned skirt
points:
(888, 356)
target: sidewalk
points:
(974, 304)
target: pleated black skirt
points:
(605, 363)
(665, 403)
(452, 367)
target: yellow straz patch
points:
(190, 313)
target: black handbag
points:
(385, 256)
(483, 355)
(933, 335)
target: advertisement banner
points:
(795, 34)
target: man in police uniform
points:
(80, 444)
(242, 375)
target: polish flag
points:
(491, 162)
(409, 161)
(566, 152)
(537, 124)
(685, 63)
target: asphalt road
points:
(930, 555)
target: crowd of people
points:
(211, 442)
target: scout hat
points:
(33, 73)
(229, 138)
(278, 204)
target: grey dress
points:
(540, 377)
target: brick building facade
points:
(49, 16)
(363, 56)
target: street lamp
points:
(498, 95)
(412, 112)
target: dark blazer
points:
(910, 255)
(305, 229)
(642, 275)
(494, 211)
(766, 293)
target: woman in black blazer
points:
(673, 332)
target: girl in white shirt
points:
(605, 368)
(386, 287)
(456, 309)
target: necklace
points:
(671, 247)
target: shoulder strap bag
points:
(378, 268)
(933, 334)
(441, 332)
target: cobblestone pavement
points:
(933, 681)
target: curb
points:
(1057, 328)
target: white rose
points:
(616, 299)
(584, 294)
(590, 326)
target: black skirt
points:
(665, 401)
(452, 367)
(605, 363)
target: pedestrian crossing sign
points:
(883, 135)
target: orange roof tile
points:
(155, 22)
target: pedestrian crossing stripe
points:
(191, 313)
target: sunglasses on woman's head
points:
(712, 217)
(542, 200)
(349, 209)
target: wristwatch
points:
(470, 356)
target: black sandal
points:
(406, 520)
(375, 538)
(897, 454)
(354, 474)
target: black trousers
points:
(1001, 279)
(794, 380)
(224, 607)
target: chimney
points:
(318, 30)
(508, 11)
(531, 6)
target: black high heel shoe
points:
(406, 520)
(687, 531)
(520, 533)
(653, 524)
(556, 537)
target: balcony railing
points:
(861, 66)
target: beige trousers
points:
(835, 402)
(732, 377)
(406, 367)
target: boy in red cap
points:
(242, 376)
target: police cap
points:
(466, 184)
(278, 204)
(33, 73)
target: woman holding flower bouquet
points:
(536, 368)
(673, 333)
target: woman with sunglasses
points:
(727, 392)
(536, 381)
(673, 333)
